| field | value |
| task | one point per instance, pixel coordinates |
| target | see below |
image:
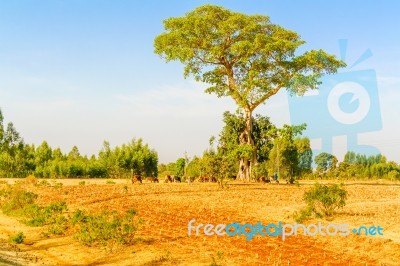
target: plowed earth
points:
(166, 209)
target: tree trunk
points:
(245, 164)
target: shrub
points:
(392, 175)
(110, 182)
(101, 228)
(57, 184)
(43, 182)
(45, 215)
(218, 260)
(13, 199)
(82, 183)
(18, 238)
(17, 202)
(322, 200)
(30, 179)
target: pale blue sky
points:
(80, 72)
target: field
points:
(166, 209)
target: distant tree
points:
(138, 158)
(1, 130)
(74, 154)
(194, 167)
(304, 155)
(43, 154)
(95, 169)
(325, 161)
(284, 156)
(180, 166)
(244, 57)
(162, 168)
(12, 151)
(214, 164)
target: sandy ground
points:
(166, 210)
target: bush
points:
(17, 202)
(46, 215)
(17, 238)
(392, 175)
(43, 182)
(13, 199)
(100, 228)
(30, 179)
(56, 184)
(110, 182)
(322, 200)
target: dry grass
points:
(166, 210)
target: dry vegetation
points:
(166, 209)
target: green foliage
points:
(244, 57)
(14, 199)
(18, 238)
(110, 182)
(260, 170)
(323, 200)
(15, 157)
(94, 229)
(325, 162)
(215, 165)
(290, 156)
(91, 229)
(194, 167)
(82, 183)
(20, 160)
(45, 215)
(180, 167)
(393, 175)
(134, 157)
(218, 45)
(18, 202)
(357, 165)
(230, 146)
(234, 124)
(304, 156)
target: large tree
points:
(245, 57)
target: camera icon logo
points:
(346, 104)
(337, 104)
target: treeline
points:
(18, 159)
(356, 166)
(279, 150)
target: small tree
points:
(322, 200)
(284, 156)
(325, 162)
(180, 166)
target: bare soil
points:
(166, 210)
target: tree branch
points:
(264, 98)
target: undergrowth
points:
(103, 228)
(322, 201)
